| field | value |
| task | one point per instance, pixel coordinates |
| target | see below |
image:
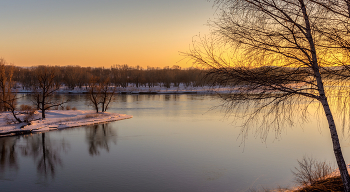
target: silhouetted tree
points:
(119, 75)
(274, 53)
(101, 94)
(8, 99)
(45, 87)
(6, 83)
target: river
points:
(172, 143)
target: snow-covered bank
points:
(56, 119)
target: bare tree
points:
(6, 73)
(8, 99)
(310, 170)
(45, 88)
(101, 94)
(107, 93)
(275, 53)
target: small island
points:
(56, 119)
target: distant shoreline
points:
(133, 90)
(132, 93)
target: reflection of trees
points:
(123, 98)
(8, 153)
(136, 98)
(99, 137)
(167, 97)
(46, 154)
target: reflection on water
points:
(8, 152)
(123, 98)
(100, 137)
(172, 143)
(39, 147)
(44, 152)
(167, 97)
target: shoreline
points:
(131, 90)
(57, 120)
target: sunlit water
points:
(172, 143)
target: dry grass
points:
(280, 189)
(311, 170)
(313, 176)
(25, 108)
(29, 112)
(91, 116)
(332, 184)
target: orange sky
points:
(100, 33)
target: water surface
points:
(172, 143)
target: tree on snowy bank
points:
(45, 88)
(6, 83)
(100, 93)
(282, 52)
(8, 99)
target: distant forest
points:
(117, 75)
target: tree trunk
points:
(15, 116)
(336, 146)
(323, 99)
(104, 102)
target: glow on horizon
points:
(100, 33)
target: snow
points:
(55, 119)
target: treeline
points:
(117, 75)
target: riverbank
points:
(55, 119)
(330, 183)
(333, 184)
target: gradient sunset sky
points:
(101, 32)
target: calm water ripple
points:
(172, 143)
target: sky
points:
(100, 33)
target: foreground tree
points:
(278, 53)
